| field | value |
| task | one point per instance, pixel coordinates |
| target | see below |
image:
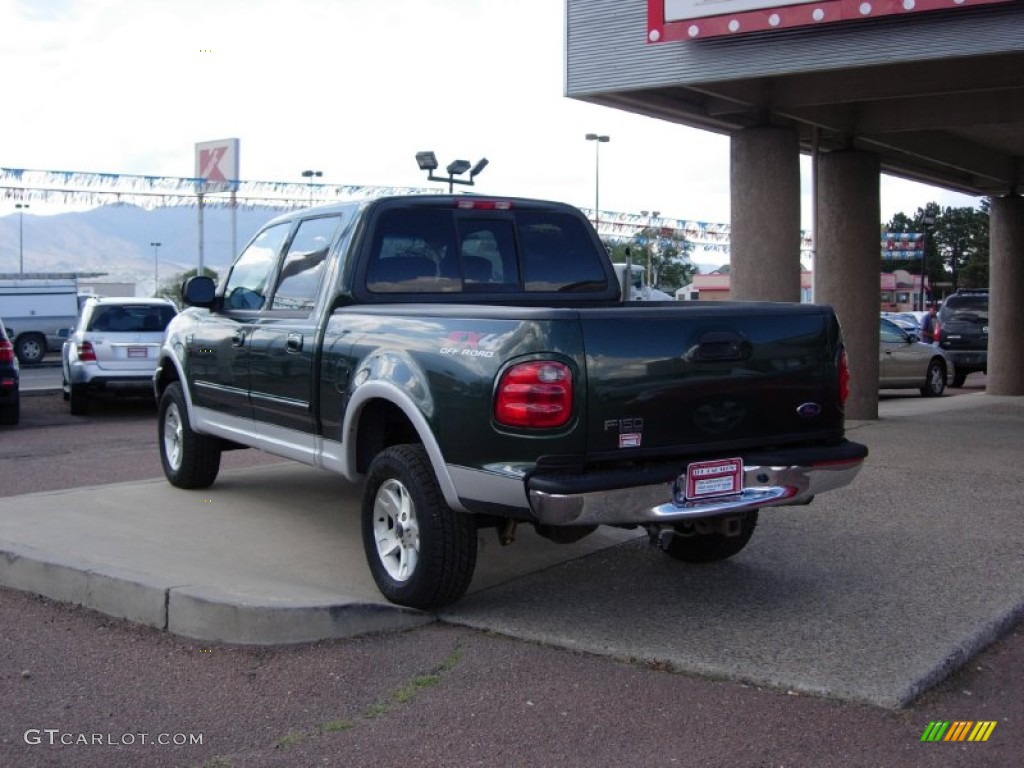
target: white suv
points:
(114, 348)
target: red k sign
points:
(217, 163)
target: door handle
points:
(238, 339)
(294, 343)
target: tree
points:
(667, 253)
(171, 289)
(956, 247)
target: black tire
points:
(935, 379)
(78, 400)
(190, 460)
(11, 413)
(30, 348)
(959, 377)
(421, 552)
(693, 547)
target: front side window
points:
(247, 287)
(891, 333)
(304, 265)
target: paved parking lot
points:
(871, 594)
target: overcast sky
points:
(353, 88)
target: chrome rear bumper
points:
(664, 502)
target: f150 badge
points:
(630, 431)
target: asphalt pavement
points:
(872, 594)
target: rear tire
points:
(78, 400)
(30, 348)
(934, 380)
(692, 547)
(421, 552)
(959, 377)
(190, 460)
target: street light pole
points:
(156, 266)
(926, 221)
(649, 246)
(310, 175)
(20, 207)
(598, 140)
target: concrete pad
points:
(872, 593)
(267, 555)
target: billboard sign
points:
(669, 20)
(902, 245)
(217, 163)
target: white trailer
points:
(38, 311)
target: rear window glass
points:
(957, 306)
(131, 318)
(432, 250)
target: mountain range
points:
(116, 240)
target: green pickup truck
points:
(471, 361)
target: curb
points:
(200, 613)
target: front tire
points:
(935, 380)
(421, 552)
(190, 460)
(691, 546)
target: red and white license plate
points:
(138, 352)
(705, 479)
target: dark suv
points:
(9, 396)
(963, 332)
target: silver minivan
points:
(114, 348)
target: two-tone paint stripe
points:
(958, 730)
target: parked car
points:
(963, 332)
(114, 348)
(905, 362)
(10, 406)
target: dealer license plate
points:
(138, 352)
(706, 479)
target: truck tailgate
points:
(695, 378)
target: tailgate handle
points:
(722, 345)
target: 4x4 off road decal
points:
(472, 344)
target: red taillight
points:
(537, 394)
(86, 353)
(844, 378)
(6, 351)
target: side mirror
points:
(199, 291)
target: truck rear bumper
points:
(763, 486)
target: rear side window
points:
(304, 264)
(433, 250)
(131, 318)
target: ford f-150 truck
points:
(471, 362)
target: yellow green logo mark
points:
(958, 730)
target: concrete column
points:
(848, 264)
(764, 180)
(1006, 297)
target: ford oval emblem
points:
(808, 410)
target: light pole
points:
(926, 221)
(311, 175)
(598, 140)
(649, 246)
(427, 161)
(20, 208)
(156, 266)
